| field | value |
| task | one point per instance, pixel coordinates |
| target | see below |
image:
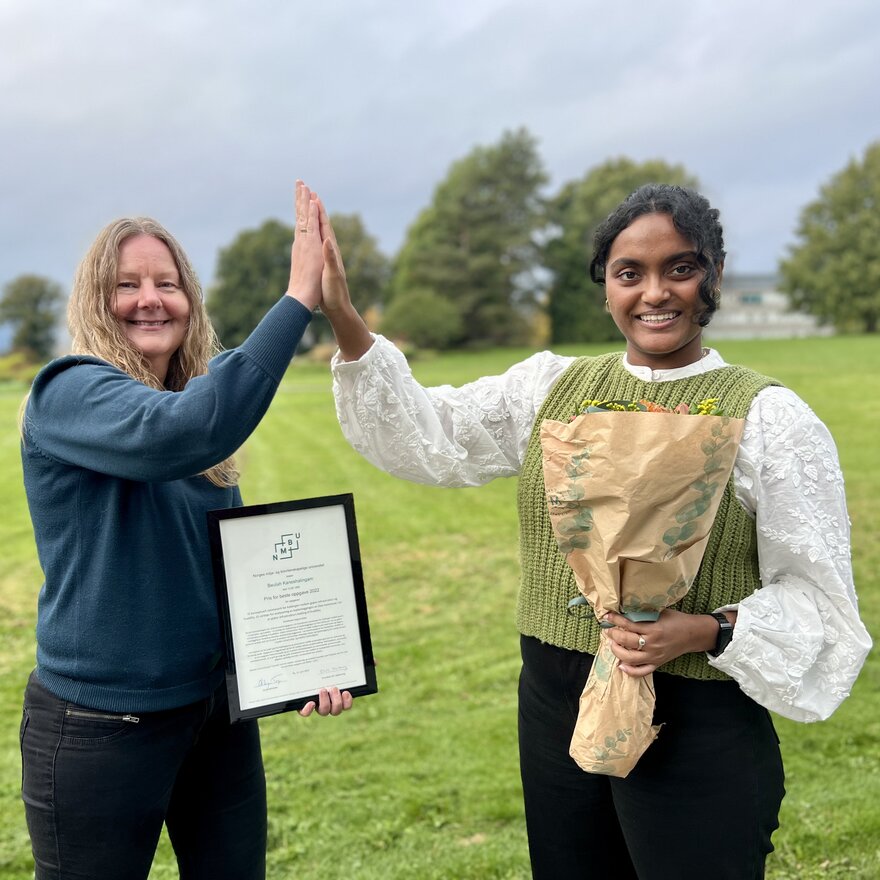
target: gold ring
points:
(642, 643)
(304, 229)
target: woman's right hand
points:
(306, 257)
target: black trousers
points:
(97, 787)
(702, 802)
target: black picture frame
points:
(290, 614)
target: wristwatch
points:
(725, 633)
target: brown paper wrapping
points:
(632, 497)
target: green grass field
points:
(421, 781)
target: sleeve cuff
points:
(274, 340)
(338, 365)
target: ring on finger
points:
(642, 643)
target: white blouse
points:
(798, 644)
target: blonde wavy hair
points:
(95, 331)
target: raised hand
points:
(306, 256)
(352, 334)
(334, 285)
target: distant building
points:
(752, 307)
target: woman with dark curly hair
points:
(771, 621)
(125, 445)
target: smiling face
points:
(652, 280)
(149, 303)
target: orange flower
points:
(650, 406)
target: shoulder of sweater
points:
(65, 385)
(59, 391)
(714, 360)
(59, 365)
(752, 374)
(62, 369)
(560, 371)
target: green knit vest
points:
(729, 571)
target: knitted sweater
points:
(729, 570)
(127, 615)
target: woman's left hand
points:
(352, 334)
(331, 701)
(642, 647)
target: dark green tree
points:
(424, 319)
(33, 306)
(253, 271)
(575, 304)
(475, 244)
(834, 270)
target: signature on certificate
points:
(267, 684)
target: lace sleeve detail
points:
(442, 436)
(798, 643)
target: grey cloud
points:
(203, 114)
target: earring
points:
(607, 307)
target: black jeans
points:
(702, 801)
(97, 787)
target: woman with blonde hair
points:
(126, 444)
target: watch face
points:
(725, 633)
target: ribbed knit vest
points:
(729, 571)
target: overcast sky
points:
(202, 114)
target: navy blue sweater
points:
(127, 615)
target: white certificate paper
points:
(290, 586)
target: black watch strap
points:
(725, 633)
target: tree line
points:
(486, 262)
(492, 257)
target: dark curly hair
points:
(693, 217)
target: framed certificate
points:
(290, 590)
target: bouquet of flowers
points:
(632, 492)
